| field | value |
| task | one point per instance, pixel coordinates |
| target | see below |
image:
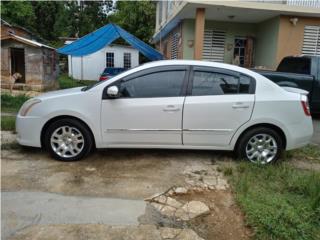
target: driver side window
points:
(157, 84)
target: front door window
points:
(158, 84)
(239, 51)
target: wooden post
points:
(71, 66)
(199, 33)
(81, 67)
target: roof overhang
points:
(26, 41)
(234, 11)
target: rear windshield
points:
(113, 71)
(295, 65)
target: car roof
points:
(199, 63)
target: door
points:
(17, 63)
(218, 103)
(239, 50)
(148, 110)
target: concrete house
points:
(246, 33)
(90, 67)
(21, 53)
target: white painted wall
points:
(94, 64)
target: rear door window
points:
(216, 83)
(210, 83)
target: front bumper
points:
(29, 130)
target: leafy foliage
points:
(67, 82)
(19, 12)
(8, 123)
(45, 17)
(280, 202)
(54, 19)
(12, 103)
(136, 17)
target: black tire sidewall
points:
(241, 147)
(72, 123)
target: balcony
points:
(301, 3)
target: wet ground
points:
(102, 196)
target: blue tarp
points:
(104, 36)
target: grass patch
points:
(280, 202)
(10, 146)
(67, 82)
(8, 123)
(310, 152)
(12, 103)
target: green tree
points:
(93, 15)
(66, 24)
(75, 20)
(136, 17)
(19, 12)
(54, 19)
(45, 17)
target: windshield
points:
(92, 85)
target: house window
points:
(239, 49)
(127, 60)
(109, 59)
(213, 45)
(311, 40)
(174, 45)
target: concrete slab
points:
(23, 209)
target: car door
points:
(148, 111)
(218, 103)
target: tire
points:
(260, 145)
(68, 140)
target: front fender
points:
(94, 127)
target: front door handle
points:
(171, 108)
(239, 105)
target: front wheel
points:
(68, 140)
(260, 145)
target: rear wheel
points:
(68, 140)
(260, 145)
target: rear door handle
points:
(239, 105)
(171, 108)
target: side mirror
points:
(113, 92)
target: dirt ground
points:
(107, 191)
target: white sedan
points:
(174, 104)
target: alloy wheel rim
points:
(261, 148)
(67, 142)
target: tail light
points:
(306, 108)
(103, 78)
